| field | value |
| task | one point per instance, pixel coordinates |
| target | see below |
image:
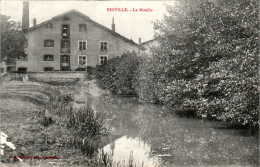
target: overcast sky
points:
(129, 24)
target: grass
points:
(88, 126)
(34, 133)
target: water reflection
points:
(125, 148)
(155, 137)
(84, 101)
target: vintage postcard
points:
(129, 83)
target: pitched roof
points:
(92, 21)
(148, 41)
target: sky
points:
(132, 25)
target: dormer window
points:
(65, 31)
(82, 27)
(49, 25)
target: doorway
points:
(65, 63)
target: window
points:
(65, 58)
(82, 59)
(22, 69)
(65, 63)
(82, 45)
(102, 59)
(48, 25)
(103, 46)
(65, 32)
(48, 43)
(47, 68)
(23, 57)
(65, 46)
(82, 27)
(48, 57)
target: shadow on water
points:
(234, 128)
(153, 136)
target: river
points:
(151, 135)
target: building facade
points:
(70, 41)
(149, 44)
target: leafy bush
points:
(231, 93)
(90, 70)
(207, 60)
(211, 66)
(118, 74)
(91, 73)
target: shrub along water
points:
(87, 126)
(118, 74)
(209, 66)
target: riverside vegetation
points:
(206, 61)
(49, 125)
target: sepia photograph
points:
(129, 83)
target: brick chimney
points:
(25, 21)
(34, 22)
(140, 41)
(113, 25)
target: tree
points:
(118, 74)
(208, 59)
(12, 39)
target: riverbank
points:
(145, 132)
(22, 106)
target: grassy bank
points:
(39, 123)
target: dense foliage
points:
(118, 74)
(209, 56)
(12, 39)
(207, 59)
